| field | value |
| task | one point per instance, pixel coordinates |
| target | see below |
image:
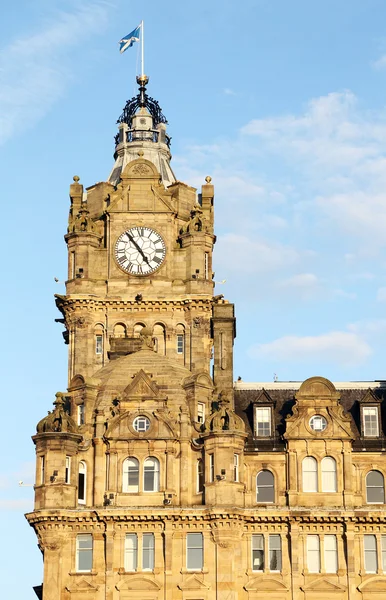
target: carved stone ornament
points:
(146, 338)
(224, 418)
(57, 421)
(141, 170)
(82, 221)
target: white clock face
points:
(140, 251)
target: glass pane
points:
(194, 540)
(148, 551)
(275, 552)
(310, 474)
(383, 545)
(375, 487)
(84, 560)
(131, 544)
(194, 558)
(148, 484)
(258, 542)
(84, 541)
(313, 554)
(330, 554)
(265, 478)
(81, 486)
(258, 560)
(371, 562)
(374, 478)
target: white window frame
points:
(82, 472)
(383, 552)
(211, 468)
(274, 537)
(330, 552)
(200, 412)
(313, 554)
(180, 343)
(79, 537)
(206, 265)
(259, 486)
(370, 552)
(150, 550)
(190, 546)
(373, 486)
(132, 462)
(236, 469)
(155, 471)
(80, 414)
(265, 417)
(369, 430)
(67, 472)
(258, 545)
(99, 344)
(42, 470)
(308, 485)
(329, 482)
(131, 553)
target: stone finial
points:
(224, 417)
(208, 179)
(76, 178)
(140, 153)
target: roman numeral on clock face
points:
(140, 251)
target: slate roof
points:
(284, 400)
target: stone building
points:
(159, 478)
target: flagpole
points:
(142, 51)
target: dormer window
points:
(370, 421)
(263, 421)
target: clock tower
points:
(146, 437)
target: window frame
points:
(329, 552)
(125, 475)
(374, 486)
(156, 474)
(82, 471)
(200, 476)
(67, 471)
(80, 550)
(211, 468)
(191, 547)
(316, 476)
(258, 537)
(42, 469)
(201, 412)
(80, 411)
(150, 549)
(236, 468)
(316, 552)
(367, 407)
(325, 472)
(180, 345)
(132, 552)
(373, 551)
(279, 550)
(265, 486)
(99, 344)
(268, 408)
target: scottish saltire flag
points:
(127, 41)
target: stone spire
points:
(142, 128)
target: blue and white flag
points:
(127, 41)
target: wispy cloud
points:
(34, 70)
(347, 349)
(229, 92)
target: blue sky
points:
(281, 102)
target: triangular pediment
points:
(263, 398)
(141, 387)
(262, 584)
(82, 586)
(370, 398)
(374, 584)
(323, 585)
(138, 583)
(194, 583)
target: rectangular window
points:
(313, 554)
(82, 483)
(180, 343)
(257, 553)
(371, 559)
(211, 467)
(383, 547)
(330, 554)
(80, 414)
(68, 470)
(131, 552)
(235, 467)
(148, 551)
(99, 344)
(72, 265)
(263, 421)
(206, 265)
(194, 551)
(370, 421)
(84, 552)
(275, 552)
(200, 412)
(42, 469)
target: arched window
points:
(120, 330)
(82, 476)
(200, 476)
(130, 475)
(180, 342)
(310, 474)
(137, 329)
(151, 475)
(265, 487)
(329, 483)
(159, 334)
(375, 488)
(99, 335)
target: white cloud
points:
(229, 92)
(33, 69)
(240, 253)
(380, 63)
(344, 348)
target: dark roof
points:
(283, 401)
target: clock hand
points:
(145, 258)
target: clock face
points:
(140, 251)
